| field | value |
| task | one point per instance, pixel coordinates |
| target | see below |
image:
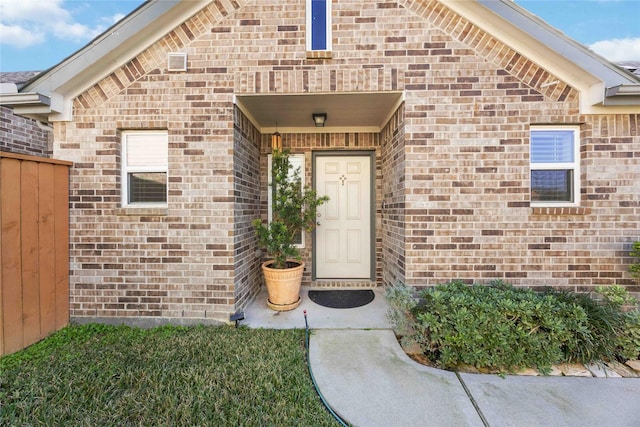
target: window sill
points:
(319, 54)
(142, 211)
(567, 210)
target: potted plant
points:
(293, 211)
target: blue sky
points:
(37, 34)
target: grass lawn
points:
(98, 375)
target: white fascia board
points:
(544, 45)
(623, 95)
(112, 49)
(24, 99)
(32, 105)
(560, 43)
(624, 90)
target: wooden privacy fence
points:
(34, 249)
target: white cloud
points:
(618, 49)
(17, 36)
(74, 31)
(26, 23)
(113, 19)
(33, 11)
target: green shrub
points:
(402, 301)
(604, 322)
(634, 269)
(628, 342)
(628, 335)
(504, 329)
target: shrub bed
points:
(504, 329)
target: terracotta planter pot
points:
(283, 286)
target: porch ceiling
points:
(357, 112)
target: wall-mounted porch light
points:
(319, 119)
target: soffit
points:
(293, 113)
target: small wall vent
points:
(177, 61)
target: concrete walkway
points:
(369, 381)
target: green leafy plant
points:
(634, 269)
(501, 328)
(402, 301)
(628, 334)
(294, 209)
(597, 340)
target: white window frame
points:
(295, 161)
(162, 136)
(327, 30)
(574, 166)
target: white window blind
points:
(554, 166)
(147, 150)
(144, 168)
(552, 146)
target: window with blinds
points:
(318, 24)
(144, 168)
(554, 166)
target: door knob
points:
(318, 223)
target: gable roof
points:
(560, 43)
(600, 82)
(49, 95)
(57, 86)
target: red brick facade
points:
(452, 163)
(23, 136)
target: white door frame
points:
(372, 205)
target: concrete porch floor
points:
(370, 316)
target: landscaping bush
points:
(604, 323)
(628, 336)
(634, 268)
(502, 328)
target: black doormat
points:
(342, 298)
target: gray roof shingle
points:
(17, 77)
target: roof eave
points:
(31, 104)
(110, 50)
(560, 43)
(24, 99)
(565, 58)
(622, 95)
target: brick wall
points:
(452, 166)
(393, 201)
(247, 183)
(21, 135)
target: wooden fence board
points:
(46, 245)
(34, 249)
(61, 214)
(11, 268)
(29, 243)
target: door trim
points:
(372, 206)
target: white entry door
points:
(343, 238)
